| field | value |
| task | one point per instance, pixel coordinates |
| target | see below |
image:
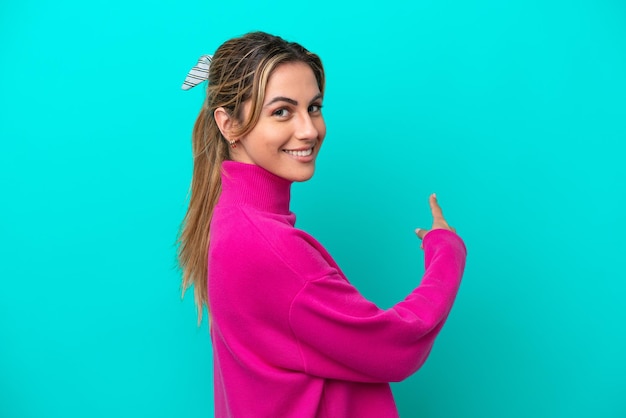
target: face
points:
(289, 134)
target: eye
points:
(315, 108)
(281, 113)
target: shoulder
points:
(268, 242)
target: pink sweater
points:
(291, 336)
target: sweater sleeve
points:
(341, 335)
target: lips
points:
(299, 153)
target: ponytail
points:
(209, 151)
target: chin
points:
(304, 178)
(301, 175)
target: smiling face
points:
(289, 133)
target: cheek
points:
(274, 143)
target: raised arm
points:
(342, 335)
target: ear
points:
(224, 122)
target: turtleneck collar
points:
(251, 185)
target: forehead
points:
(290, 79)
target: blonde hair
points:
(239, 72)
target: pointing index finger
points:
(435, 208)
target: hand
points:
(439, 221)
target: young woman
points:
(291, 336)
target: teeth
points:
(304, 153)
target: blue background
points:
(513, 112)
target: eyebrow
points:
(291, 101)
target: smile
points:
(299, 153)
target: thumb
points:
(421, 233)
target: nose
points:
(306, 128)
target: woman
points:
(291, 336)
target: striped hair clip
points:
(199, 73)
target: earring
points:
(233, 143)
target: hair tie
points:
(199, 73)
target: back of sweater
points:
(291, 336)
